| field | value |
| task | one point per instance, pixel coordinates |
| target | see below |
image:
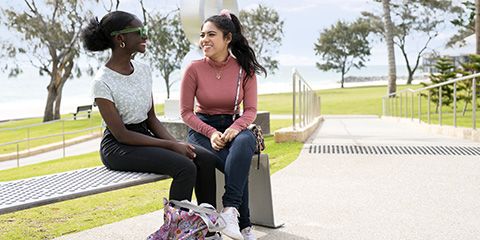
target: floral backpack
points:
(183, 220)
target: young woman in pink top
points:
(212, 81)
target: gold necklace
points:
(218, 72)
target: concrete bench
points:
(84, 108)
(31, 192)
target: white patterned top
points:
(131, 94)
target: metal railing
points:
(397, 104)
(306, 102)
(29, 139)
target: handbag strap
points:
(193, 207)
(237, 94)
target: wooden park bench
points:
(36, 191)
(84, 108)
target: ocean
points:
(25, 95)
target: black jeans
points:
(186, 173)
(234, 162)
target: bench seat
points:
(86, 108)
(37, 191)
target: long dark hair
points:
(96, 36)
(239, 45)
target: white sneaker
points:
(248, 234)
(216, 236)
(230, 215)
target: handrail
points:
(436, 85)
(390, 107)
(308, 101)
(49, 136)
(28, 139)
(31, 125)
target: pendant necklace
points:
(218, 72)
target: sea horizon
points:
(25, 95)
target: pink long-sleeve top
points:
(216, 96)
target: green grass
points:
(44, 129)
(355, 100)
(61, 218)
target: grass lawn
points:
(61, 218)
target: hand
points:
(216, 140)
(185, 149)
(229, 134)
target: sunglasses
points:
(141, 30)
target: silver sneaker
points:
(230, 215)
(248, 234)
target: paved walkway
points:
(80, 148)
(347, 196)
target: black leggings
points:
(186, 173)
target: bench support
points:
(260, 193)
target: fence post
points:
(474, 103)
(300, 104)
(419, 107)
(294, 93)
(63, 137)
(440, 105)
(411, 110)
(455, 104)
(28, 139)
(18, 157)
(428, 109)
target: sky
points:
(303, 22)
(305, 19)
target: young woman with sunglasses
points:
(134, 139)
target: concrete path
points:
(80, 148)
(347, 196)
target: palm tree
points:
(477, 24)
(392, 71)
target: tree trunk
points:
(59, 76)
(410, 77)
(167, 84)
(477, 25)
(58, 101)
(392, 71)
(464, 108)
(343, 79)
(52, 94)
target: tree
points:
(342, 46)
(464, 88)
(446, 71)
(392, 71)
(50, 41)
(477, 26)
(168, 46)
(264, 30)
(413, 18)
(465, 21)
